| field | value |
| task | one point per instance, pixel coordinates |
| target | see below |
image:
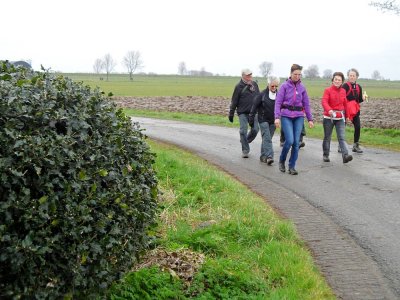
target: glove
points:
(251, 122)
(230, 117)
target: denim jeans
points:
(303, 134)
(292, 129)
(244, 126)
(340, 132)
(267, 132)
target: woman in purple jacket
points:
(290, 105)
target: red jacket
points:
(334, 99)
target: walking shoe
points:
(293, 171)
(264, 159)
(356, 148)
(245, 154)
(270, 160)
(282, 167)
(347, 158)
(302, 144)
(326, 158)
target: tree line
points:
(266, 68)
(132, 62)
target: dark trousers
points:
(357, 127)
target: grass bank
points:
(237, 244)
(388, 139)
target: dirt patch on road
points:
(376, 113)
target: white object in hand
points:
(365, 96)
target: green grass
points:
(250, 253)
(373, 137)
(163, 85)
(174, 85)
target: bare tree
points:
(312, 72)
(266, 68)
(109, 64)
(327, 74)
(132, 62)
(182, 68)
(387, 6)
(98, 66)
(376, 75)
(203, 72)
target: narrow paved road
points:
(348, 214)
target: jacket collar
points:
(294, 82)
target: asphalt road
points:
(348, 214)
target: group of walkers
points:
(287, 108)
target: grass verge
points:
(388, 139)
(249, 253)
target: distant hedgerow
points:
(77, 187)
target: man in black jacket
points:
(242, 100)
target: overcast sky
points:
(221, 36)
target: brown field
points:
(376, 113)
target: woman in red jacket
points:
(334, 104)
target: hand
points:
(251, 122)
(277, 123)
(230, 118)
(311, 124)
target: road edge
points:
(349, 271)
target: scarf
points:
(250, 84)
(272, 95)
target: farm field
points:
(209, 98)
(215, 86)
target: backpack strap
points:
(246, 87)
(243, 90)
(351, 89)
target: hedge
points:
(77, 187)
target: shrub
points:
(77, 188)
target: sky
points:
(219, 36)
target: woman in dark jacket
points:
(354, 97)
(264, 105)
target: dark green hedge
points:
(77, 188)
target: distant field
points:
(174, 85)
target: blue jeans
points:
(340, 132)
(267, 132)
(292, 129)
(244, 126)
